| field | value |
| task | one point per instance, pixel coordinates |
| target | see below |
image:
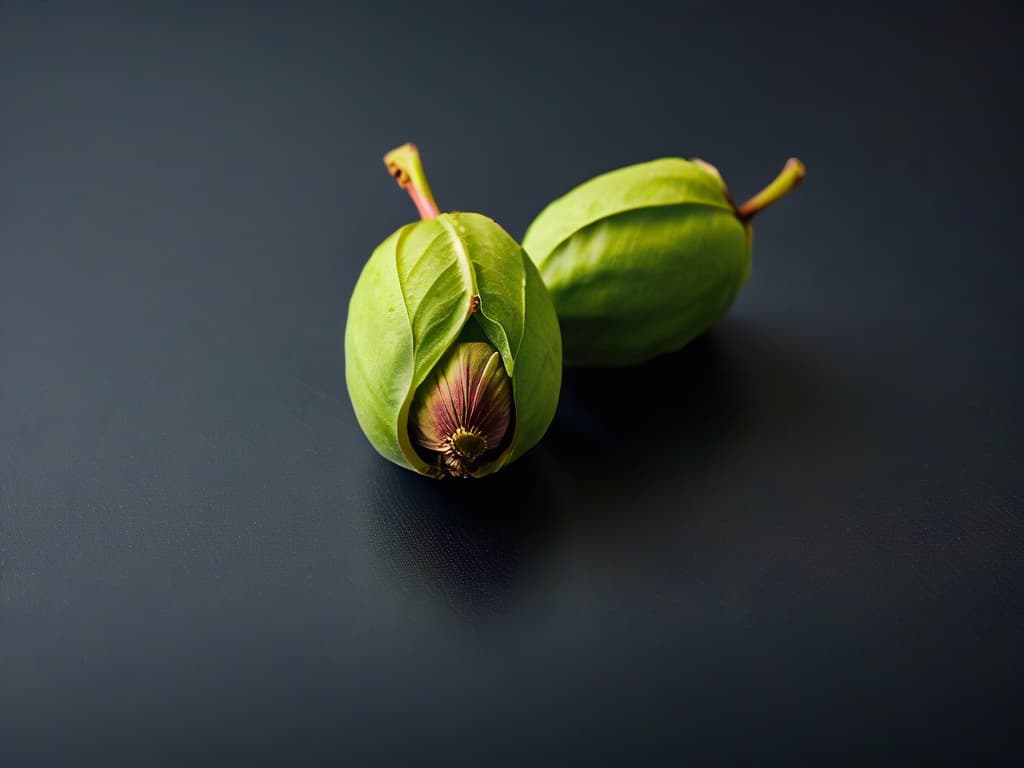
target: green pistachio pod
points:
(452, 347)
(641, 260)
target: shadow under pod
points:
(472, 545)
(630, 421)
(632, 440)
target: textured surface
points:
(800, 539)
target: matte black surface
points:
(799, 539)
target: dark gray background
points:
(799, 539)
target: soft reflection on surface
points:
(470, 544)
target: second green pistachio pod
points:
(641, 260)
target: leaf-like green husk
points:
(518, 318)
(378, 350)
(538, 375)
(667, 181)
(410, 305)
(639, 261)
(645, 282)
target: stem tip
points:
(788, 179)
(405, 165)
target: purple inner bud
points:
(463, 411)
